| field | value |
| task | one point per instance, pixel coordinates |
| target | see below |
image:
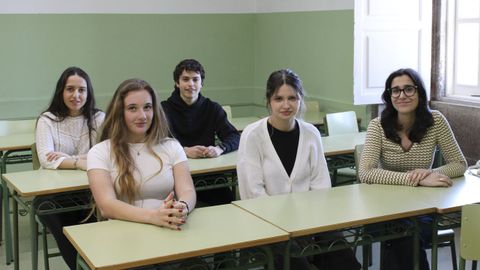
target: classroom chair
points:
(469, 236)
(35, 160)
(446, 237)
(312, 113)
(341, 123)
(357, 154)
(43, 232)
(337, 124)
(43, 228)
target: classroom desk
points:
(314, 120)
(36, 183)
(339, 150)
(342, 144)
(240, 123)
(208, 230)
(212, 173)
(10, 144)
(313, 212)
(47, 182)
(448, 203)
(222, 163)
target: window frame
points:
(442, 52)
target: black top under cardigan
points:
(199, 123)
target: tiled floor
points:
(57, 263)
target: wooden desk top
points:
(43, 182)
(17, 141)
(208, 230)
(211, 165)
(465, 190)
(342, 144)
(324, 210)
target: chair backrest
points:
(35, 161)
(438, 159)
(228, 110)
(358, 156)
(341, 123)
(312, 111)
(10, 127)
(469, 235)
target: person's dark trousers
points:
(398, 253)
(55, 224)
(216, 196)
(340, 259)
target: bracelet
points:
(186, 205)
(75, 163)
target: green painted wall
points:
(239, 51)
(318, 46)
(35, 49)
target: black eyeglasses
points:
(408, 90)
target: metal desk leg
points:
(434, 261)
(286, 256)
(81, 265)
(416, 245)
(16, 261)
(6, 221)
(34, 238)
(270, 260)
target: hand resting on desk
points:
(424, 177)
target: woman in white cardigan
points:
(260, 168)
(282, 154)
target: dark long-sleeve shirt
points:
(199, 123)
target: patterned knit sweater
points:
(385, 162)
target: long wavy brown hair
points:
(115, 129)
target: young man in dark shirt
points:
(196, 122)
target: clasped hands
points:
(200, 151)
(171, 214)
(428, 178)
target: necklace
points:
(139, 149)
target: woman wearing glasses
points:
(400, 147)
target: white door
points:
(388, 35)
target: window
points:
(463, 49)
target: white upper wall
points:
(265, 6)
(169, 6)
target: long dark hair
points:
(423, 115)
(60, 110)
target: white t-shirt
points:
(154, 186)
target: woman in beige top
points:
(400, 148)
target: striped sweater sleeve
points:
(455, 162)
